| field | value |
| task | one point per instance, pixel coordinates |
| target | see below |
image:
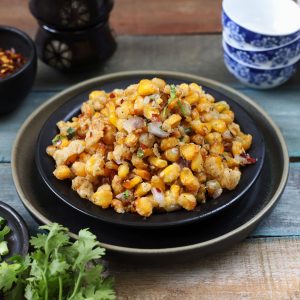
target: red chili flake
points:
(250, 160)
(159, 190)
(143, 146)
(122, 101)
(10, 62)
(155, 118)
(112, 95)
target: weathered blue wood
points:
(283, 221)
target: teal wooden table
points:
(264, 266)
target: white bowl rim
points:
(292, 15)
(259, 68)
(256, 49)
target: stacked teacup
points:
(261, 40)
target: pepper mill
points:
(73, 34)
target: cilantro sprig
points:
(171, 98)
(57, 268)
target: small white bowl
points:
(261, 24)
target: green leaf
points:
(4, 232)
(181, 108)
(8, 275)
(3, 248)
(57, 267)
(140, 153)
(87, 247)
(71, 132)
(57, 138)
(172, 91)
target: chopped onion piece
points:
(133, 124)
(155, 129)
(158, 196)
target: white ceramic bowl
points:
(265, 59)
(259, 78)
(261, 24)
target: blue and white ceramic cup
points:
(259, 78)
(260, 24)
(266, 59)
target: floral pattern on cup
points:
(258, 78)
(275, 58)
(246, 39)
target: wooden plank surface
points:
(136, 16)
(267, 269)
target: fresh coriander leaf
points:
(140, 153)
(57, 267)
(3, 248)
(87, 247)
(2, 221)
(8, 275)
(165, 112)
(4, 232)
(71, 132)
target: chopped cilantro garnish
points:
(140, 153)
(180, 104)
(56, 139)
(188, 130)
(126, 194)
(71, 132)
(172, 91)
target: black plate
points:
(201, 238)
(18, 237)
(62, 189)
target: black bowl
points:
(15, 87)
(62, 189)
(18, 238)
(76, 50)
(71, 14)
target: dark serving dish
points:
(63, 190)
(15, 87)
(71, 14)
(194, 240)
(18, 238)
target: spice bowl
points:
(15, 86)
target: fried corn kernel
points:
(188, 151)
(189, 180)
(78, 168)
(62, 172)
(123, 171)
(103, 196)
(197, 163)
(157, 162)
(144, 206)
(131, 183)
(187, 201)
(146, 87)
(172, 154)
(170, 173)
(142, 189)
(151, 147)
(158, 183)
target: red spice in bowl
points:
(10, 62)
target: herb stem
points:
(78, 281)
(60, 288)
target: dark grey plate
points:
(62, 189)
(210, 235)
(17, 239)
